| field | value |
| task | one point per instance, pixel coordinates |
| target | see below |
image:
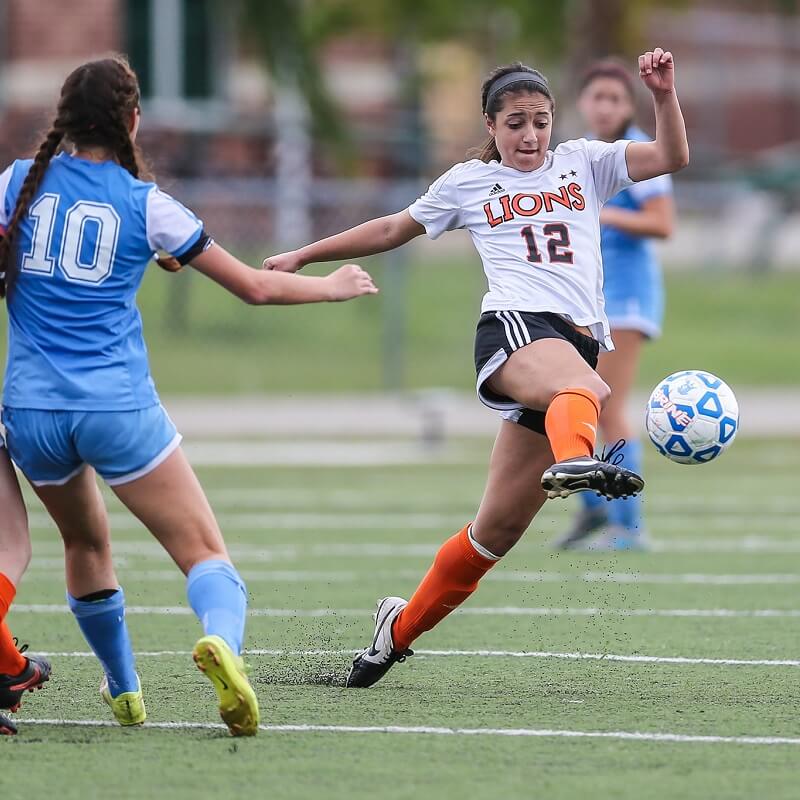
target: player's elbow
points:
(680, 160)
(258, 292)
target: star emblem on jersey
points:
(573, 173)
(563, 176)
(496, 189)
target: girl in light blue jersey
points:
(634, 295)
(81, 225)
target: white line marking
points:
(146, 548)
(493, 611)
(544, 733)
(504, 576)
(626, 659)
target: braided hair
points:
(97, 102)
(491, 105)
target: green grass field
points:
(203, 341)
(318, 546)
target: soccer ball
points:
(692, 416)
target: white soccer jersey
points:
(537, 233)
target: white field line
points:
(492, 611)
(146, 548)
(625, 659)
(543, 733)
(334, 520)
(505, 576)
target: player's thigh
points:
(78, 510)
(535, 373)
(15, 540)
(513, 493)
(170, 502)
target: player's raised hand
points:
(657, 70)
(284, 262)
(350, 281)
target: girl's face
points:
(606, 107)
(522, 130)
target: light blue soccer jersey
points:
(74, 332)
(632, 281)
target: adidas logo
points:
(496, 189)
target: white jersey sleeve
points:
(439, 210)
(5, 179)
(170, 225)
(609, 167)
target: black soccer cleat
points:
(34, 676)
(374, 662)
(7, 727)
(601, 475)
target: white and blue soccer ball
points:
(692, 417)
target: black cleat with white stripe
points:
(7, 727)
(603, 475)
(373, 663)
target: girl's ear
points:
(489, 123)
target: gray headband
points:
(503, 81)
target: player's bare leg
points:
(550, 375)
(171, 503)
(512, 498)
(95, 596)
(18, 673)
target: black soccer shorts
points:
(500, 333)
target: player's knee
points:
(499, 536)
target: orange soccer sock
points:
(452, 578)
(12, 662)
(571, 423)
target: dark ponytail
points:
(97, 102)
(30, 186)
(492, 99)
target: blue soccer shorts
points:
(51, 447)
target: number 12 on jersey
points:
(557, 234)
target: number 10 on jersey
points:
(558, 243)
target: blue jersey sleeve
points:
(652, 187)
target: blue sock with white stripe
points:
(102, 623)
(628, 513)
(218, 596)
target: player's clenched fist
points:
(350, 281)
(284, 262)
(657, 70)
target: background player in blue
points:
(81, 227)
(634, 294)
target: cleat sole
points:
(238, 704)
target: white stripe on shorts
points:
(523, 327)
(509, 335)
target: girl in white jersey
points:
(533, 215)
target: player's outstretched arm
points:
(261, 287)
(375, 236)
(670, 150)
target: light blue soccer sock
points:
(218, 596)
(628, 513)
(102, 623)
(593, 502)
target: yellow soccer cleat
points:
(238, 705)
(128, 707)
